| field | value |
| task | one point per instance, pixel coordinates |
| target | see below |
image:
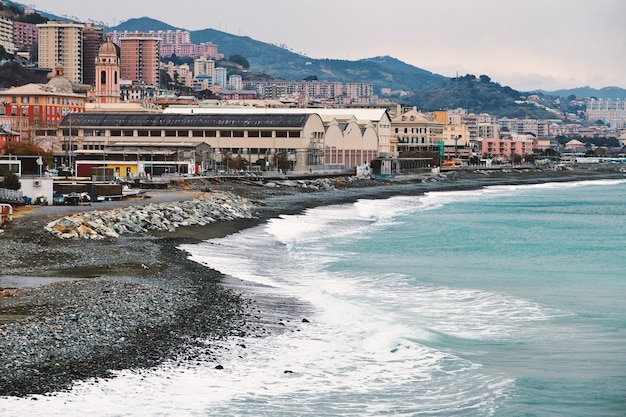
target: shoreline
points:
(140, 300)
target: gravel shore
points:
(134, 301)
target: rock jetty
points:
(205, 209)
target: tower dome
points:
(107, 48)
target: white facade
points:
(235, 82)
(607, 110)
(221, 76)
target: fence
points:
(10, 195)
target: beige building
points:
(156, 143)
(352, 136)
(6, 35)
(414, 132)
(203, 66)
(62, 43)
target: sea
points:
(499, 301)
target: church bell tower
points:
(107, 89)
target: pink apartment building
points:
(505, 148)
(24, 35)
(139, 59)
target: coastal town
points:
(116, 115)
(104, 108)
(174, 227)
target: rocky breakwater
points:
(205, 209)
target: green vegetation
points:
(240, 60)
(13, 74)
(14, 12)
(477, 95)
(11, 181)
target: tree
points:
(4, 55)
(282, 159)
(11, 181)
(237, 162)
(29, 149)
(239, 59)
(551, 152)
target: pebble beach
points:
(80, 306)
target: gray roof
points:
(186, 120)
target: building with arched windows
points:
(107, 89)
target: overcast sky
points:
(524, 44)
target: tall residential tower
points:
(61, 43)
(139, 58)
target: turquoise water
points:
(506, 301)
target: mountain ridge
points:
(380, 71)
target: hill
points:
(143, 24)
(478, 95)
(381, 72)
(416, 86)
(582, 92)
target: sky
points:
(523, 44)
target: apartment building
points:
(62, 43)
(412, 131)
(235, 82)
(505, 148)
(25, 35)
(539, 128)
(203, 66)
(93, 37)
(139, 59)
(221, 76)
(612, 112)
(6, 35)
(173, 42)
(358, 92)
